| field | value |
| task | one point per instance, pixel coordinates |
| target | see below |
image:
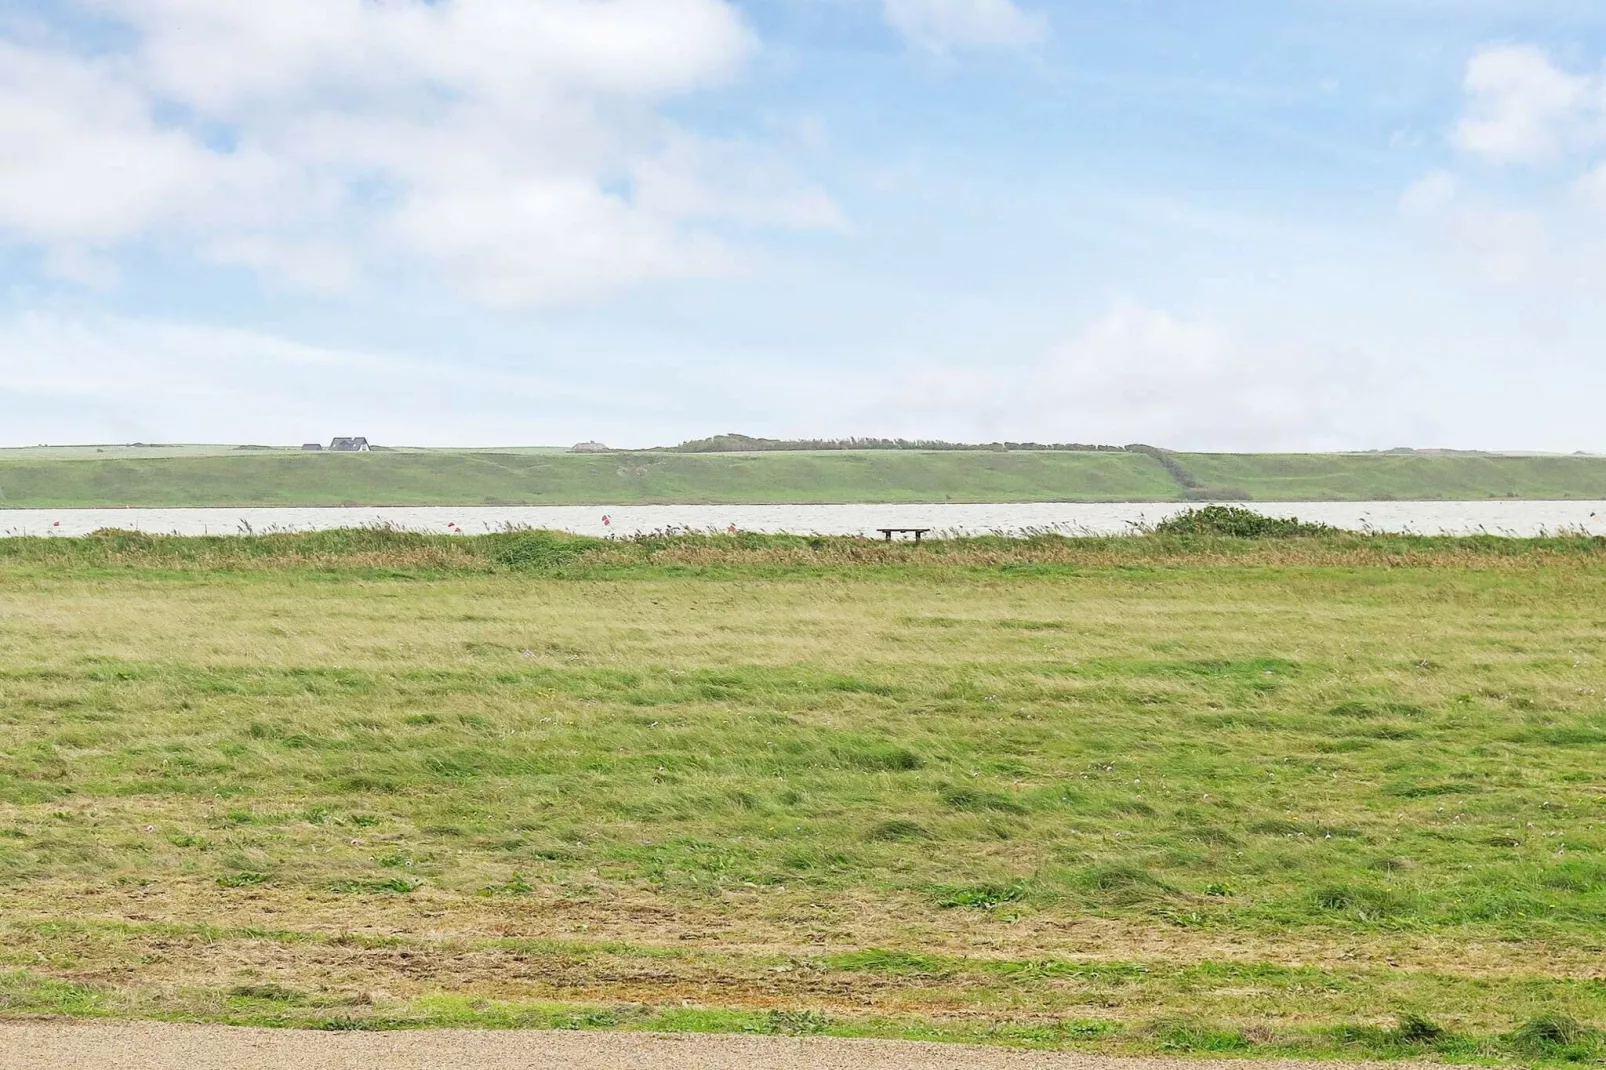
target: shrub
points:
(1236, 522)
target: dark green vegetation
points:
(735, 443)
(1236, 522)
(1327, 794)
(450, 477)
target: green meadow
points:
(1333, 795)
(218, 476)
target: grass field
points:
(1403, 477)
(1335, 796)
(469, 478)
(219, 476)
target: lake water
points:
(1501, 517)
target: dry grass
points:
(1285, 796)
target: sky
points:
(1243, 225)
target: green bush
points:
(1236, 522)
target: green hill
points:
(506, 478)
(1402, 476)
(194, 476)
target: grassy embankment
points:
(447, 477)
(1336, 795)
(1402, 477)
(469, 478)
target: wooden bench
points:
(916, 532)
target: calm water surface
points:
(1426, 518)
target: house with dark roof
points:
(349, 445)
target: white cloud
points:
(1174, 380)
(1546, 231)
(515, 146)
(67, 126)
(73, 376)
(1495, 244)
(943, 25)
(1521, 107)
(1132, 373)
(1591, 189)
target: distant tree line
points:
(734, 443)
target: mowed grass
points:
(1338, 796)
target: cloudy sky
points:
(1250, 224)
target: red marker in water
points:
(606, 521)
(57, 524)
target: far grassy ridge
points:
(444, 477)
(1298, 477)
(514, 477)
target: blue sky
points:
(1296, 225)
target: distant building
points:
(349, 445)
(590, 447)
(312, 447)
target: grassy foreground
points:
(203, 476)
(1334, 795)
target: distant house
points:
(349, 445)
(312, 447)
(590, 447)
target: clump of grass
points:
(268, 993)
(898, 830)
(242, 880)
(984, 896)
(1414, 1029)
(796, 1023)
(1557, 1036)
(977, 800)
(1359, 901)
(1124, 885)
(538, 551)
(882, 758)
(382, 886)
(515, 885)
(1366, 708)
(1196, 1037)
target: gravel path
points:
(155, 1046)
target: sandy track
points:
(153, 1046)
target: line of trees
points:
(734, 443)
